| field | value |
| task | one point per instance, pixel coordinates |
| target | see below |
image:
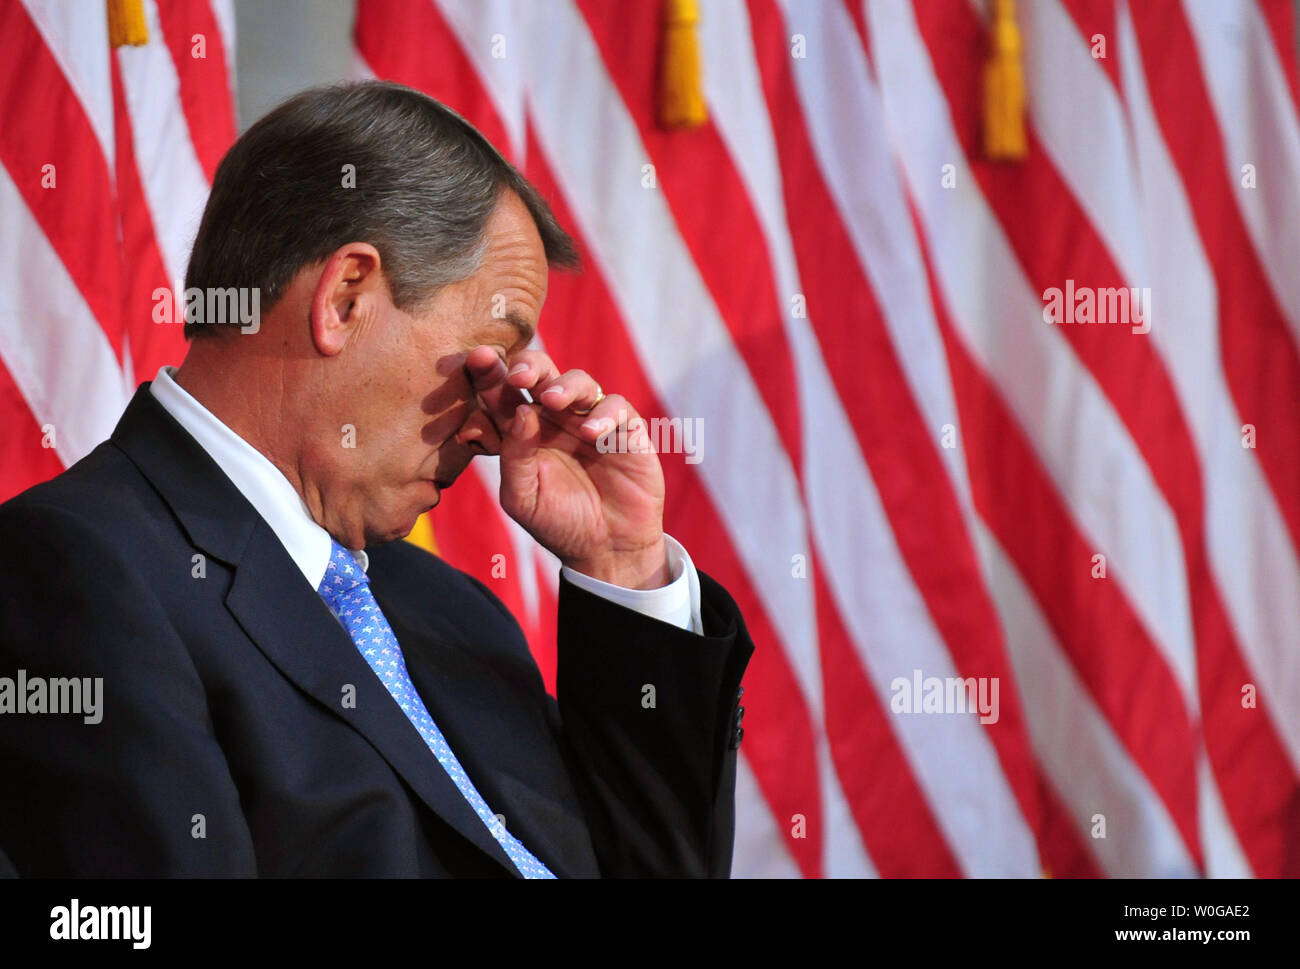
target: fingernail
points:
(517, 368)
(552, 391)
(597, 424)
(517, 427)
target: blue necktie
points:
(346, 589)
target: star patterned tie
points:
(346, 589)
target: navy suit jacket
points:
(227, 746)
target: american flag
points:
(912, 470)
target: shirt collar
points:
(258, 480)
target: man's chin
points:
(402, 528)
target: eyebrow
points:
(525, 328)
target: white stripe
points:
(1085, 760)
(79, 44)
(1257, 122)
(1084, 446)
(1223, 855)
(173, 180)
(893, 633)
(759, 847)
(487, 28)
(223, 12)
(843, 853)
(50, 342)
(1252, 560)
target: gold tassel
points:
(126, 24)
(681, 90)
(1004, 88)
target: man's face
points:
(401, 383)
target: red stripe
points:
(205, 91)
(23, 460)
(915, 489)
(46, 124)
(779, 742)
(723, 235)
(151, 344)
(409, 42)
(543, 638)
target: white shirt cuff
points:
(677, 603)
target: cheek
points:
(445, 405)
(414, 409)
(435, 431)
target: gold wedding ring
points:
(600, 395)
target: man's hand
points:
(600, 514)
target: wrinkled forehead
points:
(513, 274)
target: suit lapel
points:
(284, 617)
(297, 632)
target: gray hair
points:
(421, 187)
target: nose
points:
(478, 432)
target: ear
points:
(351, 289)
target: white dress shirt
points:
(309, 545)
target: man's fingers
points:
(613, 414)
(485, 366)
(502, 389)
(519, 460)
(561, 397)
(576, 390)
(487, 374)
(534, 371)
(531, 369)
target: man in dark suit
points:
(287, 689)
